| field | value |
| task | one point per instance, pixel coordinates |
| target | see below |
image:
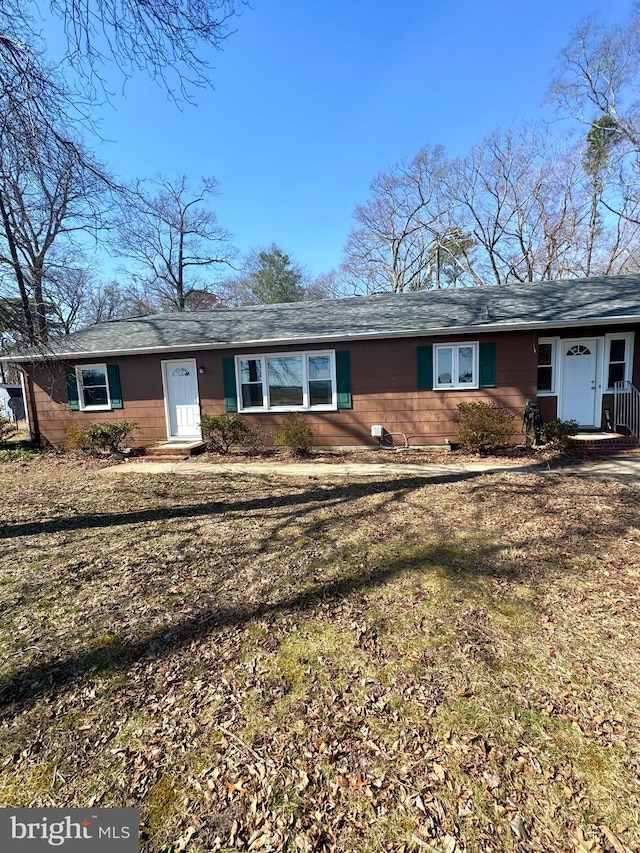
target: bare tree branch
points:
(170, 235)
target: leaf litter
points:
(272, 665)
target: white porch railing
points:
(626, 408)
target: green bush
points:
(7, 429)
(560, 431)
(109, 437)
(295, 434)
(221, 432)
(20, 454)
(483, 426)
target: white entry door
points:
(580, 393)
(183, 403)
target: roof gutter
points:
(335, 338)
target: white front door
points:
(182, 401)
(580, 395)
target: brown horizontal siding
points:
(141, 384)
(384, 391)
(383, 385)
(548, 408)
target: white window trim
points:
(102, 408)
(453, 386)
(555, 348)
(304, 355)
(629, 337)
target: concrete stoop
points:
(171, 451)
(605, 442)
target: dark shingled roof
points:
(576, 302)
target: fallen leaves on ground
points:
(272, 665)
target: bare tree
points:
(403, 239)
(74, 298)
(597, 76)
(47, 199)
(328, 285)
(521, 206)
(34, 104)
(166, 39)
(597, 85)
(515, 208)
(172, 237)
(40, 115)
(533, 211)
(104, 300)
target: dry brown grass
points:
(321, 665)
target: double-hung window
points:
(455, 366)
(251, 372)
(286, 381)
(618, 356)
(93, 387)
(547, 349)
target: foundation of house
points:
(605, 442)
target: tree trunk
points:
(22, 288)
(41, 313)
(593, 220)
(180, 282)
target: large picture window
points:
(93, 387)
(455, 366)
(286, 381)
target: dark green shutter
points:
(229, 379)
(343, 379)
(72, 389)
(425, 368)
(487, 365)
(115, 392)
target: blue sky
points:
(313, 98)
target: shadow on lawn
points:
(61, 674)
(480, 558)
(343, 492)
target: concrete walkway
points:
(624, 468)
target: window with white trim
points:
(618, 356)
(547, 366)
(93, 387)
(286, 381)
(455, 366)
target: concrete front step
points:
(164, 457)
(174, 449)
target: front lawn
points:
(322, 664)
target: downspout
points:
(29, 404)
